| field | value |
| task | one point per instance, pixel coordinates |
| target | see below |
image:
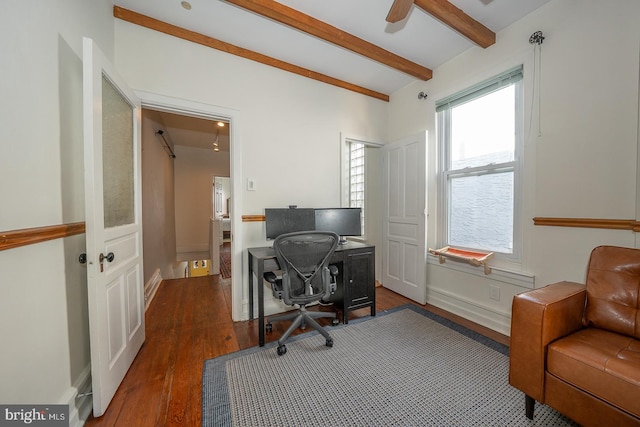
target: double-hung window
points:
(480, 141)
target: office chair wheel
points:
(335, 322)
(329, 342)
(269, 327)
(282, 349)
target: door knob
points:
(109, 257)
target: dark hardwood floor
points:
(188, 322)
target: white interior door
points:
(113, 224)
(403, 232)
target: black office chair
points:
(306, 277)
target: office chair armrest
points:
(276, 284)
(329, 275)
(270, 277)
(333, 270)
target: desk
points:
(356, 281)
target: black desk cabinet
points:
(356, 282)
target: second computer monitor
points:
(342, 221)
(286, 220)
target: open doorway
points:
(163, 103)
(181, 153)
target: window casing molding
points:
(513, 77)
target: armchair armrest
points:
(539, 317)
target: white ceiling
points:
(194, 132)
(419, 38)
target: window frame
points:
(443, 122)
(370, 182)
(358, 202)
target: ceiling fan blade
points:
(399, 10)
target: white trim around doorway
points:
(207, 111)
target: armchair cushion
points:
(613, 290)
(603, 362)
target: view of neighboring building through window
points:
(480, 132)
(356, 177)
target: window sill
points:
(517, 278)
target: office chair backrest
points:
(304, 257)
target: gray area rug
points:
(405, 367)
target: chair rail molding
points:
(28, 236)
(253, 218)
(610, 224)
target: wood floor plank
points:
(185, 336)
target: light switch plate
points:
(251, 184)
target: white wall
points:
(43, 307)
(583, 165)
(158, 200)
(289, 125)
(195, 169)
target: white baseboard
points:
(470, 310)
(78, 399)
(151, 287)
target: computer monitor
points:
(342, 221)
(287, 220)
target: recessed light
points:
(186, 5)
(221, 124)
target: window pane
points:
(356, 178)
(117, 157)
(481, 212)
(483, 130)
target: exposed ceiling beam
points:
(459, 21)
(291, 17)
(192, 36)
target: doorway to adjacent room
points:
(232, 116)
(181, 156)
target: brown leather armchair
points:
(576, 348)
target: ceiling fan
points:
(400, 9)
